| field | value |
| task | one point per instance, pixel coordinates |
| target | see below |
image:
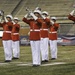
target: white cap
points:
(53, 18)
(38, 8)
(45, 12)
(37, 11)
(10, 16)
(15, 18)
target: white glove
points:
(72, 12)
(13, 22)
(26, 16)
(51, 22)
(6, 20)
(33, 16)
(43, 16)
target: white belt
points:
(15, 33)
(44, 29)
(34, 30)
(53, 32)
(7, 31)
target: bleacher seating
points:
(8, 5)
(54, 7)
(58, 8)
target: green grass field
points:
(64, 65)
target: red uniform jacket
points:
(15, 32)
(53, 31)
(7, 28)
(44, 27)
(71, 17)
(34, 29)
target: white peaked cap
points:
(45, 12)
(15, 18)
(37, 8)
(9, 16)
(37, 11)
(53, 18)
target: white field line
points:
(1, 64)
(30, 64)
(56, 63)
(17, 62)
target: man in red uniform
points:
(53, 38)
(71, 16)
(34, 39)
(6, 39)
(15, 39)
(44, 22)
(44, 37)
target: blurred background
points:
(57, 8)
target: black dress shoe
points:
(35, 65)
(53, 58)
(43, 61)
(15, 58)
(46, 60)
(7, 60)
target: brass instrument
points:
(1, 15)
(27, 9)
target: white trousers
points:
(35, 47)
(44, 48)
(53, 48)
(7, 49)
(16, 49)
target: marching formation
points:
(10, 38)
(43, 29)
(42, 34)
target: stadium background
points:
(58, 8)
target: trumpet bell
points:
(1, 12)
